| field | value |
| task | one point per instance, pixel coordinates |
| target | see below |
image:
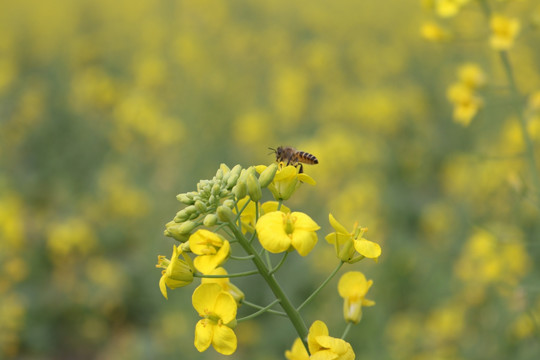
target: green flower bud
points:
(232, 180)
(172, 231)
(224, 168)
(184, 199)
(225, 214)
(201, 208)
(228, 203)
(191, 209)
(210, 220)
(186, 227)
(181, 216)
(240, 190)
(216, 189)
(253, 188)
(219, 174)
(223, 193)
(267, 175)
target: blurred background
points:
(108, 109)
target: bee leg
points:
(301, 169)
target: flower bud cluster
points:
(215, 198)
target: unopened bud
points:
(225, 214)
(199, 205)
(267, 175)
(253, 188)
(210, 220)
(186, 227)
(240, 190)
(181, 216)
(228, 203)
(185, 199)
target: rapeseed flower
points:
(322, 346)
(177, 272)
(434, 32)
(212, 249)
(346, 242)
(504, 31)
(353, 287)
(448, 8)
(218, 311)
(280, 231)
(286, 180)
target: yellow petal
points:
(271, 232)
(270, 206)
(204, 332)
(336, 225)
(304, 222)
(352, 284)
(337, 346)
(207, 263)
(306, 179)
(287, 172)
(162, 286)
(204, 298)
(297, 352)
(224, 340)
(260, 168)
(318, 328)
(367, 248)
(225, 307)
(341, 238)
(304, 241)
(203, 241)
(324, 355)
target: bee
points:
(291, 156)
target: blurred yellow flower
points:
(504, 31)
(471, 75)
(218, 309)
(466, 103)
(346, 242)
(322, 346)
(212, 249)
(286, 181)
(225, 284)
(279, 232)
(177, 272)
(434, 32)
(353, 287)
(448, 8)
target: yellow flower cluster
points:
(504, 31)
(231, 202)
(462, 94)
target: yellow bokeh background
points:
(108, 109)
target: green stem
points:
(246, 273)
(249, 257)
(255, 314)
(321, 286)
(280, 202)
(280, 263)
(292, 313)
(516, 97)
(270, 311)
(346, 331)
(522, 121)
